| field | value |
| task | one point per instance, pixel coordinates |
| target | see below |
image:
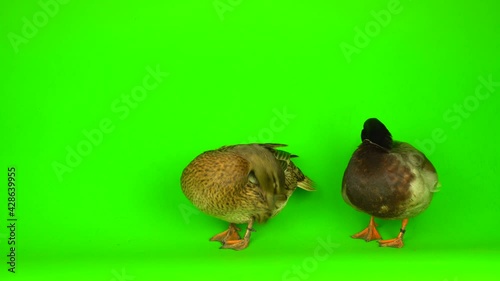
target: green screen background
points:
(264, 71)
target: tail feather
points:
(272, 145)
(282, 155)
(306, 184)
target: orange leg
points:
(230, 234)
(398, 241)
(239, 244)
(370, 233)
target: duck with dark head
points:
(389, 180)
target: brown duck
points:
(387, 179)
(242, 184)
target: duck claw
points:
(393, 243)
(237, 245)
(229, 234)
(368, 234)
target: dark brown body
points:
(390, 184)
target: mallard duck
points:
(389, 180)
(241, 184)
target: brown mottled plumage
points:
(242, 184)
(387, 179)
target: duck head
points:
(376, 132)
